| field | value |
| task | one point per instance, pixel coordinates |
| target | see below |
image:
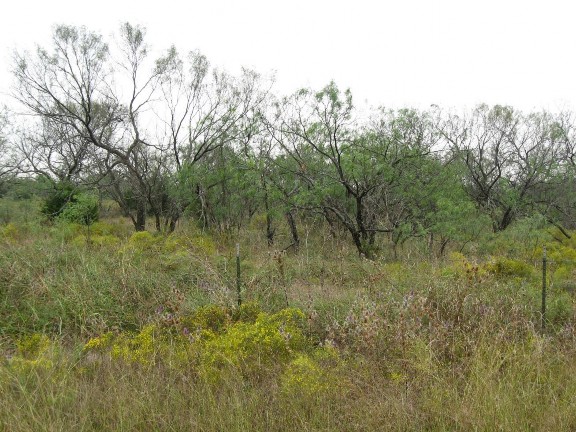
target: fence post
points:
(238, 274)
(544, 262)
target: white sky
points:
(454, 53)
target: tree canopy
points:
(172, 135)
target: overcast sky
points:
(454, 53)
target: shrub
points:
(33, 353)
(204, 245)
(10, 232)
(62, 194)
(304, 377)
(175, 260)
(107, 229)
(505, 267)
(81, 209)
(247, 312)
(560, 308)
(32, 346)
(309, 376)
(461, 268)
(210, 317)
(100, 343)
(211, 342)
(198, 244)
(143, 241)
(559, 253)
(151, 346)
(252, 348)
(67, 203)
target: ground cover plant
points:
(118, 330)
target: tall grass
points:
(420, 344)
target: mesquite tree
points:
(511, 159)
(348, 170)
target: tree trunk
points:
(172, 225)
(203, 206)
(443, 246)
(270, 231)
(293, 229)
(360, 219)
(140, 222)
(173, 220)
(506, 220)
(357, 231)
(331, 223)
(157, 221)
(364, 249)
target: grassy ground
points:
(109, 330)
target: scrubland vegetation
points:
(390, 260)
(124, 330)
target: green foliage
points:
(66, 231)
(34, 352)
(144, 241)
(82, 209)
(304, 378)
(499, 267)
(559, 253)
(59, 197)
(67, 203)
(10, 232)
(313, 375)
(19, 212)
(520, 240)
(229, 180)
(252, 348)
(247, 312)
(32, 346)
(211, 317)
(151, 346)
(25, 188)
(100, 228)
(211, 342)
(203, 245)
(100, 343)
(505, 267)
(175, 246)
(462, 268)
(104, 241)
(560, 308)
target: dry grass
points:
(422, 345)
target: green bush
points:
(314, 375)
(210, 342)
(505, 267)
(10, 232)
(34, 352)
(62, 194)
(82, 209)
(252, 349)
(144, 241)
(67, 203)
(210, 317)
(247, 312)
